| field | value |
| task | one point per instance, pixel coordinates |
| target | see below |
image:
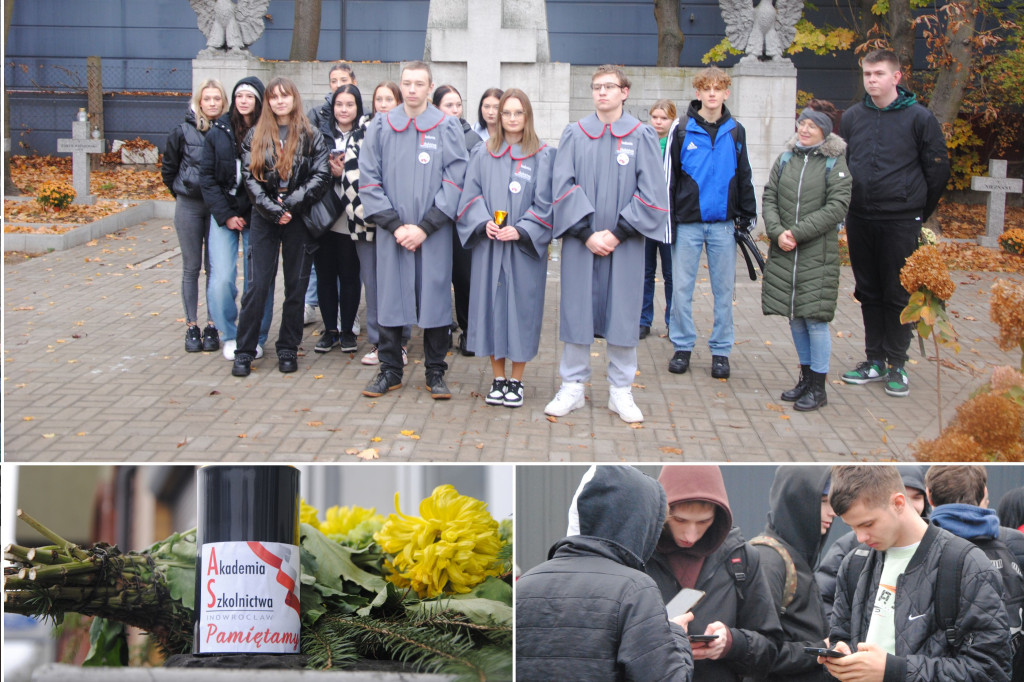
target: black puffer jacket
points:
(750, 615)
(795, 492)
(183, 155)
(309, 179)
(897, 157)
(590, 613)
(922, 653)
(223, 189)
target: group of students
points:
(927, 585)
(418, 201)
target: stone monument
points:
(229, 27)
(762, 32)
(81, 145)
(998, 186)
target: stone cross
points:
(81, 145)
(483, 37)
(998, 186)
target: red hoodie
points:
(694, 483)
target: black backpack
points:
(946, 597)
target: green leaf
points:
(108, 644)
(334, 563)
(928, 315)
(491, 588)
(478, 610)
(923, 329)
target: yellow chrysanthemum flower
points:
(308, 514)
(452, 547)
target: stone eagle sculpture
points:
(762, 32)
(229, 26)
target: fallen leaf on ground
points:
(408, 432)
(368, 453)
(553, 420)
(670, 450)
(314, 423)
(375, 439)
(775, 407)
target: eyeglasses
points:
(610, 87)
(513, 114)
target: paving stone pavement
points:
(95, 370)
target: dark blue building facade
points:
(147, 47)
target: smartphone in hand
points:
(683, 602)
(820, 651)
(703, 638)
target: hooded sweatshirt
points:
(589, 612)
(744, 606)
(794, 498)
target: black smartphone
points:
(703, 638)
(335, 153)
(819, 651)
(683, 602)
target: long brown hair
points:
(395, 90)
(530, 142)
(265, 133)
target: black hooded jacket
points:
(795, 495)
(589, 612)
(183, 154)
(221, 183)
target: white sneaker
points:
(620, 401)
(371, 357)
(569, 397)
(229, 349)
(309, 315)
(259, 351)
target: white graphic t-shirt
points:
(882, 627)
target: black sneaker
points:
(680, 362)
(193, 340)
(328, 340)
(496, 396)
(211, 339)
(866, 373)
(437, 387)
(513, 393)
(242, 365)
(719, 367)
(645, 331)
(381, 384)
(348, 342)
(287, 362)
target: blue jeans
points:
(312, 295)
(813, 342)
(652, 248)
(691, 238)
(221, 287)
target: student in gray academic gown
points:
(411, 170)
(510, 173)
(609, 193)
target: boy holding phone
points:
(883, 617)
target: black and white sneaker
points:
(193, 340)
(348, 342)
(496, 396)
(513, 393)
(328, 340)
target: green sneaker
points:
(865, 373)
(897, 383)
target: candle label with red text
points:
(249, 598)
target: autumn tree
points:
(670, 36)
(306, 32)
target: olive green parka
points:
(804, 282)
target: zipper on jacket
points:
(796, 249)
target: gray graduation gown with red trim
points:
(606, 172)
(411, 166)
(506, 293)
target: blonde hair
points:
(202, 122)
(666, 105)
(530, 142)
(710, 77)
(265, 132)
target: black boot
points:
(793, 394)
(815, 396)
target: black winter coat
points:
(223, 192)
(922, 653)
(309, 179)
(897, 157)
(796, 491)
(751, 617)
(183, 155)
(589, 613)
(828, 568)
